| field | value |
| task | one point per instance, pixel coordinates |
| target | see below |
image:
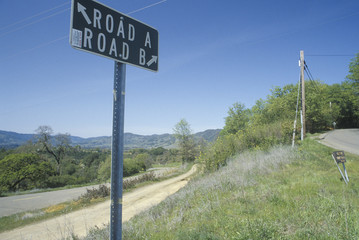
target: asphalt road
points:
(342, 139)
(27, 202)
(22, 203)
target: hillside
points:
(13, 140)
(282, 193)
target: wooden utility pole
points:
(303, 93)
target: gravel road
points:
(81, 221)
(28, 202)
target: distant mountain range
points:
(10, 140)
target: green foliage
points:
(133, 181)
(237, 119)
(183, 133)
(354, 70)
(63, 180)
(130, 167)
(80, 166)
(277, 194)
(22, 171)
(144, 161)
(270, 122)
(253, 137)
(346, 99)
(104, 170)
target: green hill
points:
(277, 194)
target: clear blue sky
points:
(211, 55)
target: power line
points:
(38, 46)
(35, 15)
(34, 22)
(57, 13)
(151, 5)
(307, 69)
(67, 35)
(330, 55)
(310, 76)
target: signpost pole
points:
(117, 151)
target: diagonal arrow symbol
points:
(152, 60)
(82, 9)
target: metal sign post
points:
(117, 150)
(101, 30)
(339, 157)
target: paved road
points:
(28, 202)
(342, 139)
(79, 222)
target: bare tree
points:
(56, 146)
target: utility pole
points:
(303, 93)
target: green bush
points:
(61, 181)
(23, 171)
(130, 183)
(253, 137)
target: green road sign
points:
(104, 31)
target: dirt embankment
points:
(79, 222)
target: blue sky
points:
(211, 55)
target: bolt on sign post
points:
(339, 157)
(103, 31)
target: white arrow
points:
(153, 60)
(82, 9)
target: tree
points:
(144, 161)
(19, 168)
(354, 71)
(104, 170)
(183, 133)
(237, 119)
(56, 146)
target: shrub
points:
(60, 181)
(101, 192)
(253, 137)
(130, 183)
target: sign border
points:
(81, 49)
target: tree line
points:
(270, 121)
(50, 161)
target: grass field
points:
(279, 194)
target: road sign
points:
(101, 30)
(339, 156)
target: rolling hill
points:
(10, 140)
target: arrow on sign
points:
(82, 9)
(153, 60)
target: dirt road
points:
(28, 202)
(81, 221)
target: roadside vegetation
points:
(253, 186)
(50, 162)
(282, 193)
(91, 197)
